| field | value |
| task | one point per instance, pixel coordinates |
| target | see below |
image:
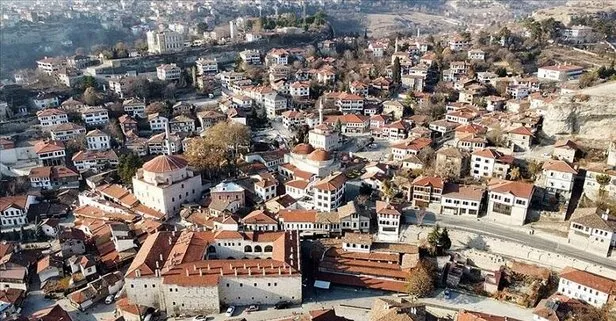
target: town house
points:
(490, 163)
(427, 190)
(508, 201)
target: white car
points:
(230, 311)
(109, 299)
(200, 318)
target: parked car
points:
(230, 311)
(282, 305)
(202, 318)
(447, 294)
(109, 299)
(252, 308)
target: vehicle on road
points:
(447, 294)
(202, 318)
(282, 305)
(109, 299)
(252, 308)
(230, 311)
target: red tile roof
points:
(521, 131)
(559, 166)
(332, 182)
(298, 216)
(165, 163)
(588, 279)
(518, 189)
(433, 181)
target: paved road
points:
(510, 234)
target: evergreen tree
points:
(127, 167)
(397, 73)
(338, 126)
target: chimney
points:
(221, 272)
(263, 272)
(235, 270)
(157, 265)
(249, 271)
(170, 242)
(195, 267)
(161, 256)
(208, 266)
(200, 272)
(138, 273)
(187, 272)
(157, 273)
(606, 215)
(279, 271)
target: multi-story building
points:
(476, 54)
(557, 177)
(165, 182)
(323, 136)
(427, 190)
(508, 202)
(95, 116)
(412, 147)
(95, 160)
(134, 107)
(227, 196)
(44, 100)
(462, 200)
(594, 173)
(566, 150)
(359, 88)
(157, 122)
(265, 186)
(307, 161)
(350, 123)
(51, 117)
(98, 140)
(51, 65)
(68, 131)
(277, 57)
(14, 209)
(128, 124)
(354, 218)
(251, 57)
(53, 177)
(349, 103)
(271, 159)
(309, 222)
(457, 43)
(168, 72)
(160, 42)
(300, 89)
(587, 287)
(559, 72)
(197, 272)
(274, 104)
(50, 153)
(388, 221)
(490, 163)
(329, 192)
(452, 163)
(182, 124)
(520, 138)
(206, 66)
(592, 230)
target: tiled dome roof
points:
(165, 163)
(303, 149)
(319, 155)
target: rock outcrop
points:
(589, 114)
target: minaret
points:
(320, 111)
(396, 45)
(167, 140)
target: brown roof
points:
(357, 238)
(303, 149)
(165, 163)
(588, 279)
(299, 216)
(559, 166)
(319, 155)
(50, 112)
(52, 172)
(480, 316)
(84, 155)
(331, 182)
(56, 313)
(518, 189)
(433, 181)
(258, 217)
(493, 154)
(521, 131)
(66, 127)
(46, 262)
(298, 183)
(48, 146)
(415, 144)
(386, 208)
(465, 192)
(18, 201)
(591, 217)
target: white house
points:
(164, 41)
(508, 201)
(490, 163)
(134, 107)
(274, 104)
(53, 177)
(68, 131)
(157, 122)
(462, 200)
(585, 286)
(323, 136)
(168, 72)
(51, 117)
(558, 176)
(14, 209)
(388, 221)
(206, 66)
(95, 116)
(265, 186)
(559, 72)
(329, 192)
(592, 230)
(98, 140)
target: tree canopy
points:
(127, 167)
